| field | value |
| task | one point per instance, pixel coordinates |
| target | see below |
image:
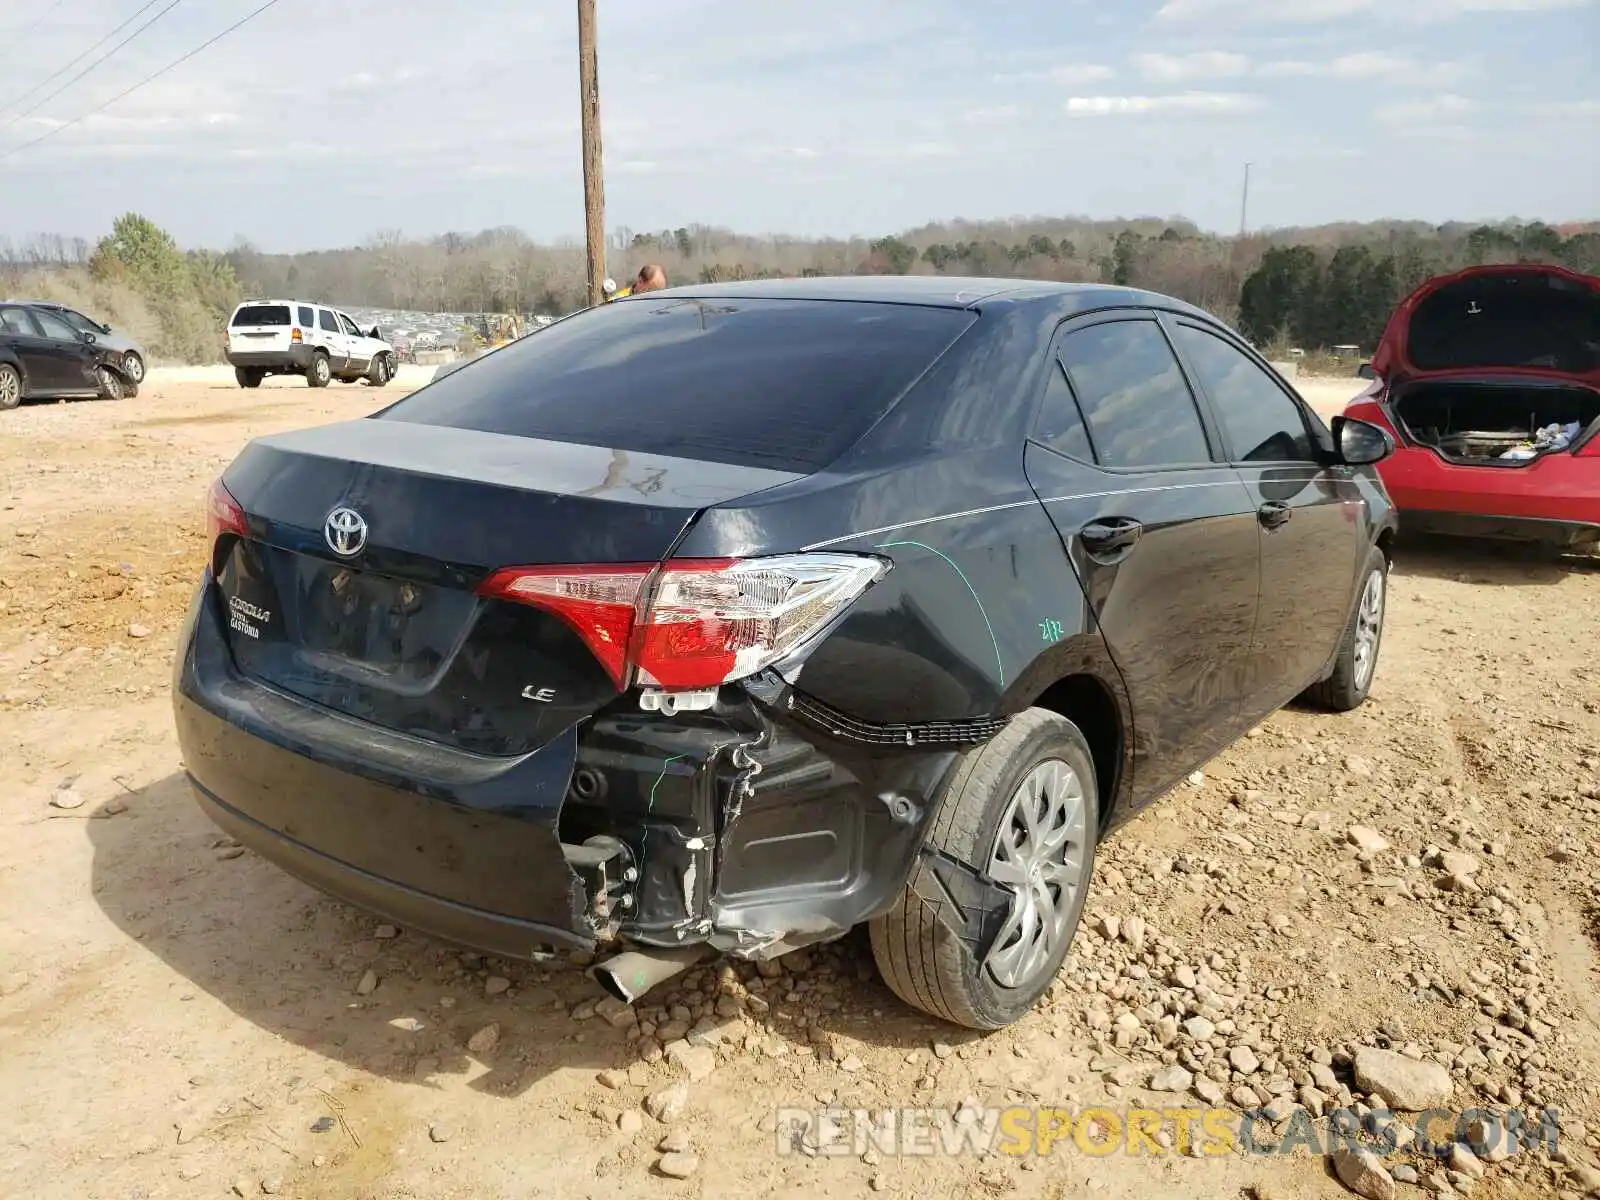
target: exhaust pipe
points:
(631, 974)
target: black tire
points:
(111, 385)
(1349, 685)
(922, 959)
(133, 368)
(380, 372)
(318, 372)
(10, 387)
(248, 377)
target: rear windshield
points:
(262, 314)
(787, 384)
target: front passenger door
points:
(332, 336)
(1309, 514)
(356, 344)
(1162, 535)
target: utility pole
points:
(594, 183)
(1244, 202)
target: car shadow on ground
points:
(290, 961)
(1504, 564)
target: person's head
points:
(652, 277)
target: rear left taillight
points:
(693, 624)
(296, 337)
(224, 514)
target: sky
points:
(318, 125)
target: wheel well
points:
(1085, 701)
(1386, 544)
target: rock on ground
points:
(1363, 1173)
(1404, 1083)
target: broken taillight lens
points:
(691, 624)
(224, 514)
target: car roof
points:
(268, 300)
(36, 303)
(942, 291)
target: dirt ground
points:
(180, 1019)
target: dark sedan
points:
(727, 618)
(42, 357)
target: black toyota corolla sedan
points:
(727, 618)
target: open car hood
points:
(1514, 319)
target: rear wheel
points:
(110, 382)
(1357, 661)
(248, 377)
(10, 387)
(318, 372)
(1020, 811)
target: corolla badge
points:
(345, 531)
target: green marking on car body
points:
(983, 612)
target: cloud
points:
(1178, 102)
(1067, 74)
(1307, 12)
(1180, 68)
(1433, 110)
(1557, 110)
(1374, 65)
(1000, 114)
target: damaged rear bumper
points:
(759, 825)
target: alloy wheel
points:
(110, 385)
(134, 366)
(1369, 628)
(1038, 855)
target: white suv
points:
(294, 337)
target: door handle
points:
(1274, 513)
(1111, 535)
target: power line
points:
(177, 62)
(62, 70)
(40, 103)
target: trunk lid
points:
(254, 328)
(1524, 319)
(357, 589)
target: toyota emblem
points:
(346, 532)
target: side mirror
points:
(374, 332)
(1360, 443)
(1365, 371)
(89, 338)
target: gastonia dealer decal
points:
(246, 618)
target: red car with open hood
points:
(1490, 381)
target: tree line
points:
(1310, 287)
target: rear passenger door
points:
(1161, 533)
(329, 334)
(1308, 512)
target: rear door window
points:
(1060, 424)
(788, 384)
(261, 314)
(1262, 423)
(1133, 395)
(17, 322)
